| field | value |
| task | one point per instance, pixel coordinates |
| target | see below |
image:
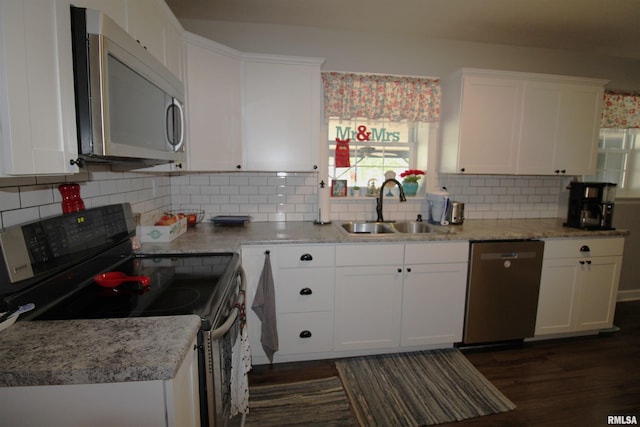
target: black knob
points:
(584, 248)
(462, 169)
(582, 262)
(305, 334)
(563, 171)
(408, 270)
(557, 171)
(77, 162)
(399, 270)
(179, 165)
(306, 257)
(306, 291)
(589, 262)
(238, 166)
(315, 167)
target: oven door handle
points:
(235, 311)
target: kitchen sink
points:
(415, 227)
(404, 227)
(367, 228)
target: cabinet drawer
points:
(353, 255)
(305, 332)
(570, 248)
(306, 256)
(436, 252)
(303, 290)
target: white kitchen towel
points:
(264, 305)
(240, 365)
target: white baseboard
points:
(628, 295)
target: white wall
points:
(383, 53)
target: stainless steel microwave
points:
(129, 106)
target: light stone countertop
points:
(95, 351)
(150, 348)
(206, 237)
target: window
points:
(375, 147)
(619, 160)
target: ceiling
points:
(610, 27)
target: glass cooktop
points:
(179, 284)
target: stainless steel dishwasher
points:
(502, 290)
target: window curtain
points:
(621, 110)
(349, 96)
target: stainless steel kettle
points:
(455, 213)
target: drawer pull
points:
(306, 291)
(585, 248)
(305, 334)
(306, 257)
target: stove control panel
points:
(43, 246)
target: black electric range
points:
(52, 263)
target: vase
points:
(410, 188)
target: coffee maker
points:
(591, 205)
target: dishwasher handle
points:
(502, 256)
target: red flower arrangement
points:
(411, 175)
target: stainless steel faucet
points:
(381, 197)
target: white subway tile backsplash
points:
(270, 196)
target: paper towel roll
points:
(324, 204)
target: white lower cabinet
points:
(170, 403)
(434, 292)
(352, 299)
(303, 278)
(399, 295)
(368, 306)
(579, 285)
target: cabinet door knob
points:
(305, 334)
(315, 167)
(306, 291)
(306, 257)
(582, 262)
(399, 270)
(462, 169)
(589, 262)
(238, 166)
(77, 162)
(585, 248)
(408, 270)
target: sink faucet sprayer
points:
(381, 197)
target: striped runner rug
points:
(418, 388)
(320, 403)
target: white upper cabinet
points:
(281, 112)
(115, 9)
(560, 125)
(151, 23)
(37, 107)
(480, 121)
(213, 105)
(519, 123)
(154, 26)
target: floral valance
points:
(620, 110)
(350, 95)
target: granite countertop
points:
(95, 351)
(206, 237)
(151, 348)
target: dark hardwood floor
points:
(569, 382)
